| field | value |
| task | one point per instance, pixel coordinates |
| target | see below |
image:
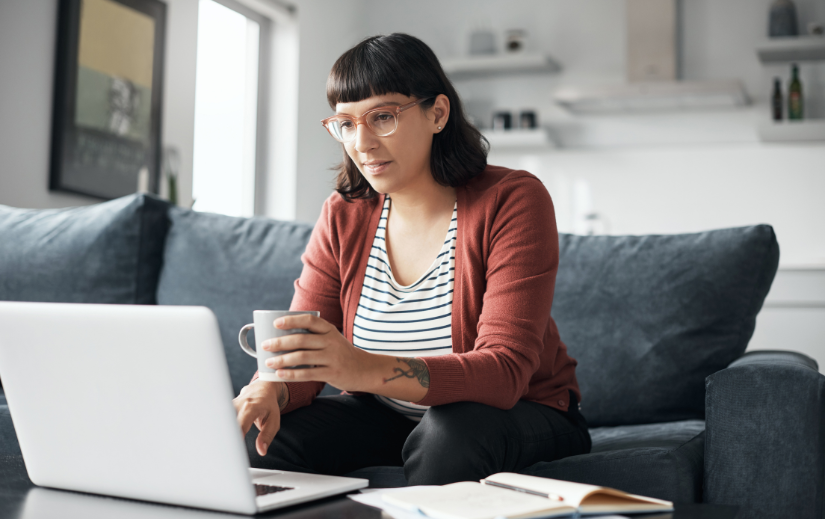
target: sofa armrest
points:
(765, 436)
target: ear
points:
(441, 111)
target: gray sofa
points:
(658, 324)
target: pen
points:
(554, 497)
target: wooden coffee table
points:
(20, 499)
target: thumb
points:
(270, 426)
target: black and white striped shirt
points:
(406, 321)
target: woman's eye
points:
(385, 116)
(346, 124)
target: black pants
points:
(463, 441)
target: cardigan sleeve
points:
(318, 288)
(521, 265)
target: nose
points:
(365, 140)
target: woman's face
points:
(402, 159)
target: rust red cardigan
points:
(506, 347)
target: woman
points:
(439, 270)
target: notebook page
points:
(581, 495)
(628, 503)
(469, 500)
(573, 493)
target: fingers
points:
(247, 414)
(294, 358)
(296, 341)
(239, 400)
(306, 321)
(320, 374)
(268, 426)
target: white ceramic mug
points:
(264, 326)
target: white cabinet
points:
(793, 317)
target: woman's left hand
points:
(336, 361)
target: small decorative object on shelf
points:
(795, 100)
(776, 99)
(502, 121)
(816, 29)
(482, 42)
(527, 120)
(783, 19)
(515, 40)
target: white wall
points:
(27, 41)
(327, 29)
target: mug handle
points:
(242, 339)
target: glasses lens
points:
(342, 129)
(382, 123)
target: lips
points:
(376, 167)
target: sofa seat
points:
(661, 460)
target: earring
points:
(439, 127)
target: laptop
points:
(136, 402)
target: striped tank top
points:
(406, 321)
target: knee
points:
(449, 445)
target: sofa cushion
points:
(649, 317)
(232, 266)
(656, 460)
(104, 253)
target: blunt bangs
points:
(382, 65)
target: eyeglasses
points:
(382, 121)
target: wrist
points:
(369, 372)
(282, 392)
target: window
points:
(228, 104)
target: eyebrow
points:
(373, 107)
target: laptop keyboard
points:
(262, 490)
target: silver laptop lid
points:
(131, 401)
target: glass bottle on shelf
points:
(795, 100)
(776, 99)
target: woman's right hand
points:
(261, 403)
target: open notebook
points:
(516, 496)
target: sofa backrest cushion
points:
(649, 317)
(233, 266)
(104, 253)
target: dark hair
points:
(403, 64)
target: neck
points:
(423, 202)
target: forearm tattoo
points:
(417, 369)
(283, 396)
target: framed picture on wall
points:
(106, 117)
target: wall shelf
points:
(499, 65)
(504, 140)
(653, 96)
(783, 50)
(812, 130)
